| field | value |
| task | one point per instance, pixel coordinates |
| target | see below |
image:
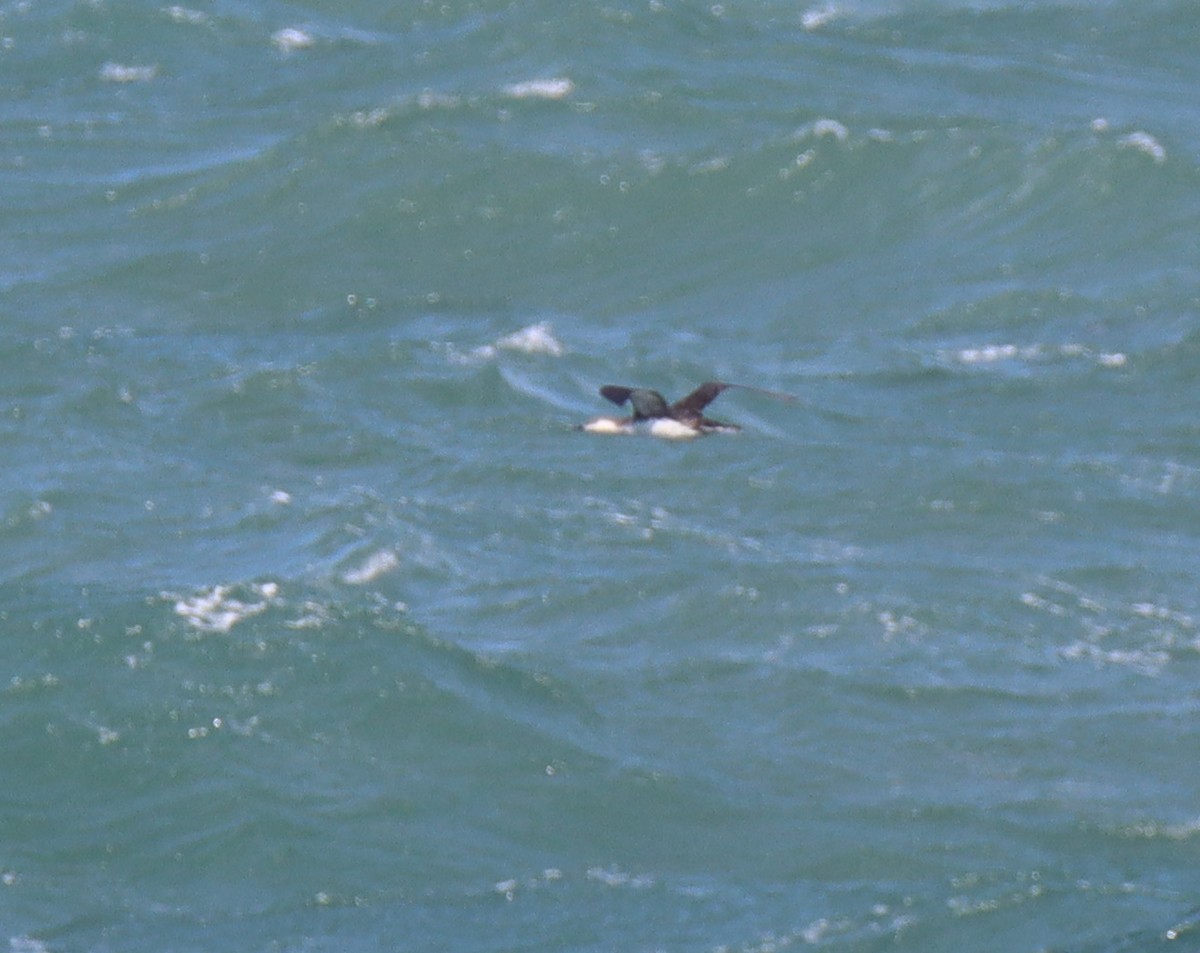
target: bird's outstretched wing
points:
(617, 394)
(646, 403)
(707, 392)
(700, 398)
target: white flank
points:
(607, 425)
(667, 429)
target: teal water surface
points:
(324, 630)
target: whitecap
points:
(1154, 829)
(535, 339)
(120, 73)
(816, 931)
(830, 127)
(1147, 661)
(18, 684)
(987, 354)
(1149, 610)
(817, 17)
(431, 99)
(291, 38)
(556, 88)
(706, 166)
(39, 509)
(26, 944)
(218, 609)
(615, 877)
(368, 118)
(995, 353)
(823, 128)
(375, 566)
(1145, 143)
(182, 14)
(106, 736)
(313, 616)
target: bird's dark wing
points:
(700, 398)
(647, 404)
(617, 394)
(706, 393)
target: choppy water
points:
(321, 628)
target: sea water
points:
(322, 629)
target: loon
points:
(681, 420)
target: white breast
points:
(607, 425)
(667, 429)
(664, 428)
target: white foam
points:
(430, 99)
(536, 339)
(559, 87)
(991, 353)
(17, 683)
(1146, 661)
(830, 127)
(26, 944)
(313, 616)
(821, 129)
(817, 17)
(291, 38)
(615, 877)
(186, 15)
(39, 509)
(508, 887)
(1148, 610)
(218, 610)
(1153, 829)
(707, 166)
(995, 353)
(1145, 143)
(375, 566)
(816, 931)
(368, 118)
(106, 736)
(120, 73)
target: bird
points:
(682, 420)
